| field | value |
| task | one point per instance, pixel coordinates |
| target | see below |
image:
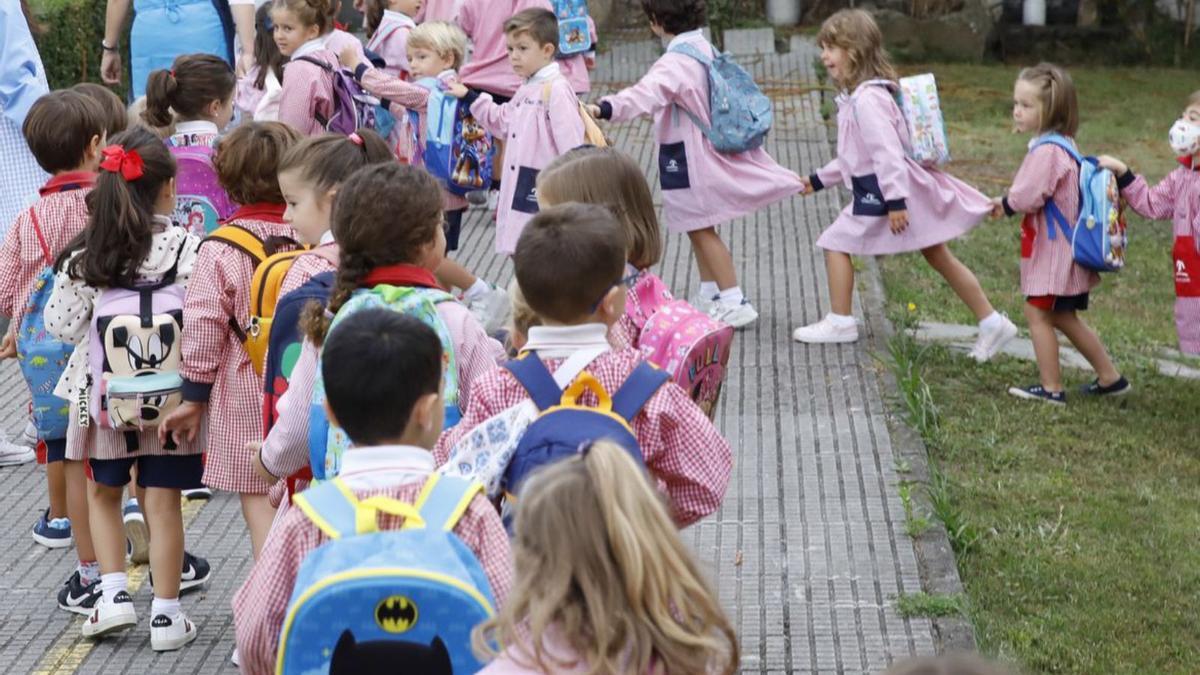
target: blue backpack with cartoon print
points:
(457, 150)
(43, 358)
(740, 111)
(1098, 237)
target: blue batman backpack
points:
(574, 34)
(457, 150)
(564, 425)
(1098, 238)
(740, 111)
(402, 601)
(43, 358)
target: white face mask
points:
(1185, 138)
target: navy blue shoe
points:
(1118, 388)
(1038, 393)
(52, 532)
(195, 573)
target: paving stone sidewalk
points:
(808, 551)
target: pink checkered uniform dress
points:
(307, 91)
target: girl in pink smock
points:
(388, 23)
(1054, 286)
(898, 206)
(1176, 197)
(701, 187)
(304, 33)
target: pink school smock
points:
(390, 42)
(871, 162)
(701, 187)
(489, 69)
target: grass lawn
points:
(1087, 558)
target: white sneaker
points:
(137, 534)
(110, 616)
(29, 437)
(825, 331)
(702, 303)
(233, 658)
(992, 341)
(493, 199)
(12, 454)
(492, 308)
(167, 634)
(739, 315)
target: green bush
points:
(70, 41)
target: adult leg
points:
(1088, 343)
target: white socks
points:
(111, 584)
(171, 608)
(992, 321)
(840, 320)
(732, 295)
(709, 290)
(477, 289)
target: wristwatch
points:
(105, 47)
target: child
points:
(383, 375)
(1176, 197)
(372, 242)
(306, 99)
(65, 131)
(116, 118)
(216, 369)
(523, 318)
(887, 185)
(129, 239)
(437, 51)
(578, 298)
(258, 90)
(544, 113)
(702, 188)
(389, 23)
(1055, 288)
(609, 177)
(595, 548)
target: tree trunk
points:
(1189, 19)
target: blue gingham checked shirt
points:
(22, 81)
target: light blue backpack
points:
(402, 601)
(43, 358)
(1098, 237)
(574, 33)
(740, 111)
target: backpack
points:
(740, 111)
(326, 442)
(270, 268)
(592, 134)
(687, 343)
(402, 600)
(285, 341)
(922, 111)
(1098, 238)
(200, 202)
(43, 358)
(353, 108)
(564, 425)
(134, 353)
(574, 33)
(457, 151)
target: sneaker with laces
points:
(739, 315)
(702, 303)
(52, 532)
(1118, 388)
(110, 616)
(137, 534)
(992, 341)
(492, 308)
(198, 494)
(1037, 392)
(168, 634)
(195, 573)
(12, 454)
(76, 597)
(826, 331)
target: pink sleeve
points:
(830, 175)
(207, 308)
(494, 118)
(10, 264)
(1037, 178)
(566, 126)
(466, 18)
(656, 90)
(875, 113)
(301, 97)
(407, 94)
(285, 449)
(1156, 203)
(696, 460)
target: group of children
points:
(392, 375)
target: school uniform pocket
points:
(525, 196)
(673, 167)
(868, 198)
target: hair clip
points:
(128, 164)
(355, 138)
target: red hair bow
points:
(127, 163)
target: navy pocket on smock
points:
(673, 167)
(868, 198)
(525, 196)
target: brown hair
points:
(247, 161)
(608, 177)
(373, 15)
(317, 13)
(384, 214)
(1194, 99)
(1056, 92)
(587, 245)
(193, 82)
(600, 562)
(266, 53)
(121, 223)
(539, 24)
(325, 161)
(60, 126)
(856, 32)
(441, 38)
(523, 317)
(676, 16)
(114, 110)
(950, 664)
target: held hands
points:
(997, 208)
(898, 221)
(807, 188)
(456, 89)
(349, 57)
(8, 347)
(183, 424)
(1112, 164)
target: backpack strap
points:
(242, 239)
(691, 52)
(331, 506)
(444, 499)
(637, 390)
(537, 380)
(1053, 213)
(37, 230)
(316, 62)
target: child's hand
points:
(997, 208)
(593, 110)
(255, 449)
(456, 89)
(1112, 164)
(808, 188)
(183, 424)
(8, 347)
(898, 220)
(349, 57)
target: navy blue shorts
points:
(453, 228)
(56, 450)
(176, 472)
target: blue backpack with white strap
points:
(1098, 237)
(401, 601)
(43, 358)
(457, 150)
(740, 111)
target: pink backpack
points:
(687, 343)
(200, 203)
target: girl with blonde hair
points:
(605, 585)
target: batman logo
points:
(396, 614)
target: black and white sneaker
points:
(78, 598)
(167, 634)
(1038, 393)
(196, 572)
(1118, 388)
(110, 616)
(201, 494)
